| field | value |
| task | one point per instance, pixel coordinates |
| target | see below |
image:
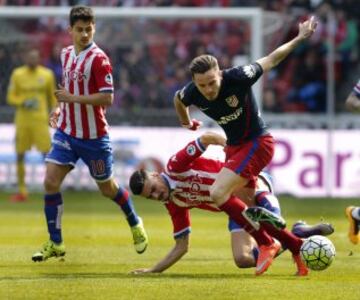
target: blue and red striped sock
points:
(123, 199)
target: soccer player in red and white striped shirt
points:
(82, 131)
(186, 183)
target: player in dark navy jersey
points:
(226, 97)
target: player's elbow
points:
(108, 99)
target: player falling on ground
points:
(226, 97)
(82, 132)
(185, 184)
(353, 212)
(31, 91)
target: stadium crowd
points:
(150, 57)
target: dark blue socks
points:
(53, 211)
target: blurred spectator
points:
(270, 101)
(54, 63)
(6, 66)
(145, 51)
(309, 89)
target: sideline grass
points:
(100, 255)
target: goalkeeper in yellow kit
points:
(31, 91)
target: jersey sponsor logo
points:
(232, 101)
(249, 71)
(74, 75)
(108, 79)
(203, 108)
(191, 150)
(226, 119)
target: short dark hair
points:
(137, 181)
(81, 12)
(203, 63)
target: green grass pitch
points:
(100, 255)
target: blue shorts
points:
(95, 153)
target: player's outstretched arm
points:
(179, 250)
(306, 29)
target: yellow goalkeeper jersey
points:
(31, 91)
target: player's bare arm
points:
(212, 138)
(180, 249)
(184, 116)
(353, 103)
(181, 110)
(306, 29)
(103, 99)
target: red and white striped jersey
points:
(190, 177)
(87, 73)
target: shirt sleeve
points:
(102, 72)
(247, 74)
(180, 217)
(183, 159)
(184, 95)
(12, 93)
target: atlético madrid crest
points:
(232, 101)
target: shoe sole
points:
(142, 251)
(354, 238)
(41, 258)
(260, 214)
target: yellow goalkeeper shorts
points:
(29, 135)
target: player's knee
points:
(51, 184)
(108, 193)
(243, 261)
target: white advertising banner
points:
(301, 165)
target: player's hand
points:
(54, 116)
(141, 271)
(307, 28)
(62, 95)
(194, 125)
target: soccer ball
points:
(317, 252)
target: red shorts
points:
(249, 158)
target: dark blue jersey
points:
(235, 108)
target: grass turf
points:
(100, 255)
